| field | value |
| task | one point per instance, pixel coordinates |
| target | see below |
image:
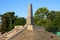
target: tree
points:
(40, 15)
(20, 21)
(51, 15)
(7, 22)
(57, 19)
(49, 19)
(49, 25)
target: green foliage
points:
(4, 25)
(50, 26)
(40, 15)
(9, 20)
(20, 21)
(49, 19)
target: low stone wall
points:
(19, 27)
(17, 33)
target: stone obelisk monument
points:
(29, 20)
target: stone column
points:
(30, 15)
(29, 20)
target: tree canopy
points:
(49, 19)
(9, 20)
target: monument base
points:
(19, 27)
(30, 27)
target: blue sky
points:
(20, 7)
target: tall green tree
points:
(7, 22)
(40, 16)
(57, 19)
(49, 19)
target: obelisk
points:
(29, 20)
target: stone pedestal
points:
(30, 27)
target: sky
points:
(20, 7)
